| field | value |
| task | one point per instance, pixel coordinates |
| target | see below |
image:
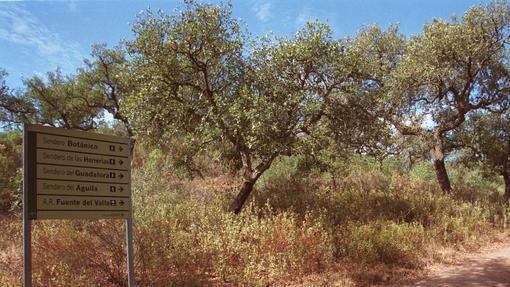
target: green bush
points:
(189, 225)
(386, 242)
(257, 250)
(400, 203)
(10, 170)
(423, 171)
(297, 223)
(463, 222)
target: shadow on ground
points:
(492, 269)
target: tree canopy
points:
(199, 79)
(449, 70)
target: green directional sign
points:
(75, 174)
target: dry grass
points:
(297, 231)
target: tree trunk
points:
(506, 172)
(242, 196)
(442, 175)
(437, 155)
(410, 160)
(506, 178)
(250, 177)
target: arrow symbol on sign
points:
(120, 148)
(121, 202)
(121, 175)
(121, 189)
(121, 162)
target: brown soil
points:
(490, 267)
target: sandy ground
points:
(489, 268)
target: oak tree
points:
(485, 139)
(198, 78)
(449, 70)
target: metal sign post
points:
(129, 228)
(27, 224)
(75, 175)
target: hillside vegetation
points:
(298, 223)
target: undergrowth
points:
(297, 223)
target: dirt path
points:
(490, 268)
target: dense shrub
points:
(10, 170)
(297, 223)
(387, 242)
(11, 268)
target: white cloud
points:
(303, 17)
(262, 10)
(19, 26)
(310, 14)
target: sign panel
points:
(64, 158)
(74, 174)
(45, 171)
(82, 145)
(60, 187)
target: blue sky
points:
(39, 36)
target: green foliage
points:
(464, 222)
(449, 70)
(175, 59)
(485, 142)
(197, 81)
(108, 79)
(185, 228)
(4, 93)
(401, 244)
(72, 101)
(364, 203)
(297, 224)
(10, 170)
(60, 101)
(258, 250)
(434, 61)
(357, 114)
(422, 171)
(474, 178)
